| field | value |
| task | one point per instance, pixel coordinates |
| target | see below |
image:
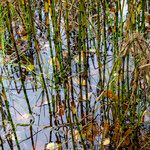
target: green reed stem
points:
(9, 113)
(20, 70)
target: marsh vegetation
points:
(74, 74)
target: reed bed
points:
(74, 74)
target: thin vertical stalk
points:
(80, 47)
(104, 52)
(20, 70)
(143, 16)
(9, 113)
(1, 143)
(98, 52)
(70, 71)
(38, 59)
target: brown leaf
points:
(125, 143)
(91, 131)
(126, 138)
(113, 9)
(61, 110)
(0, 46)
(106, 128)
(117, 133)
(109, 94)
(22, 32)
(147, 16)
